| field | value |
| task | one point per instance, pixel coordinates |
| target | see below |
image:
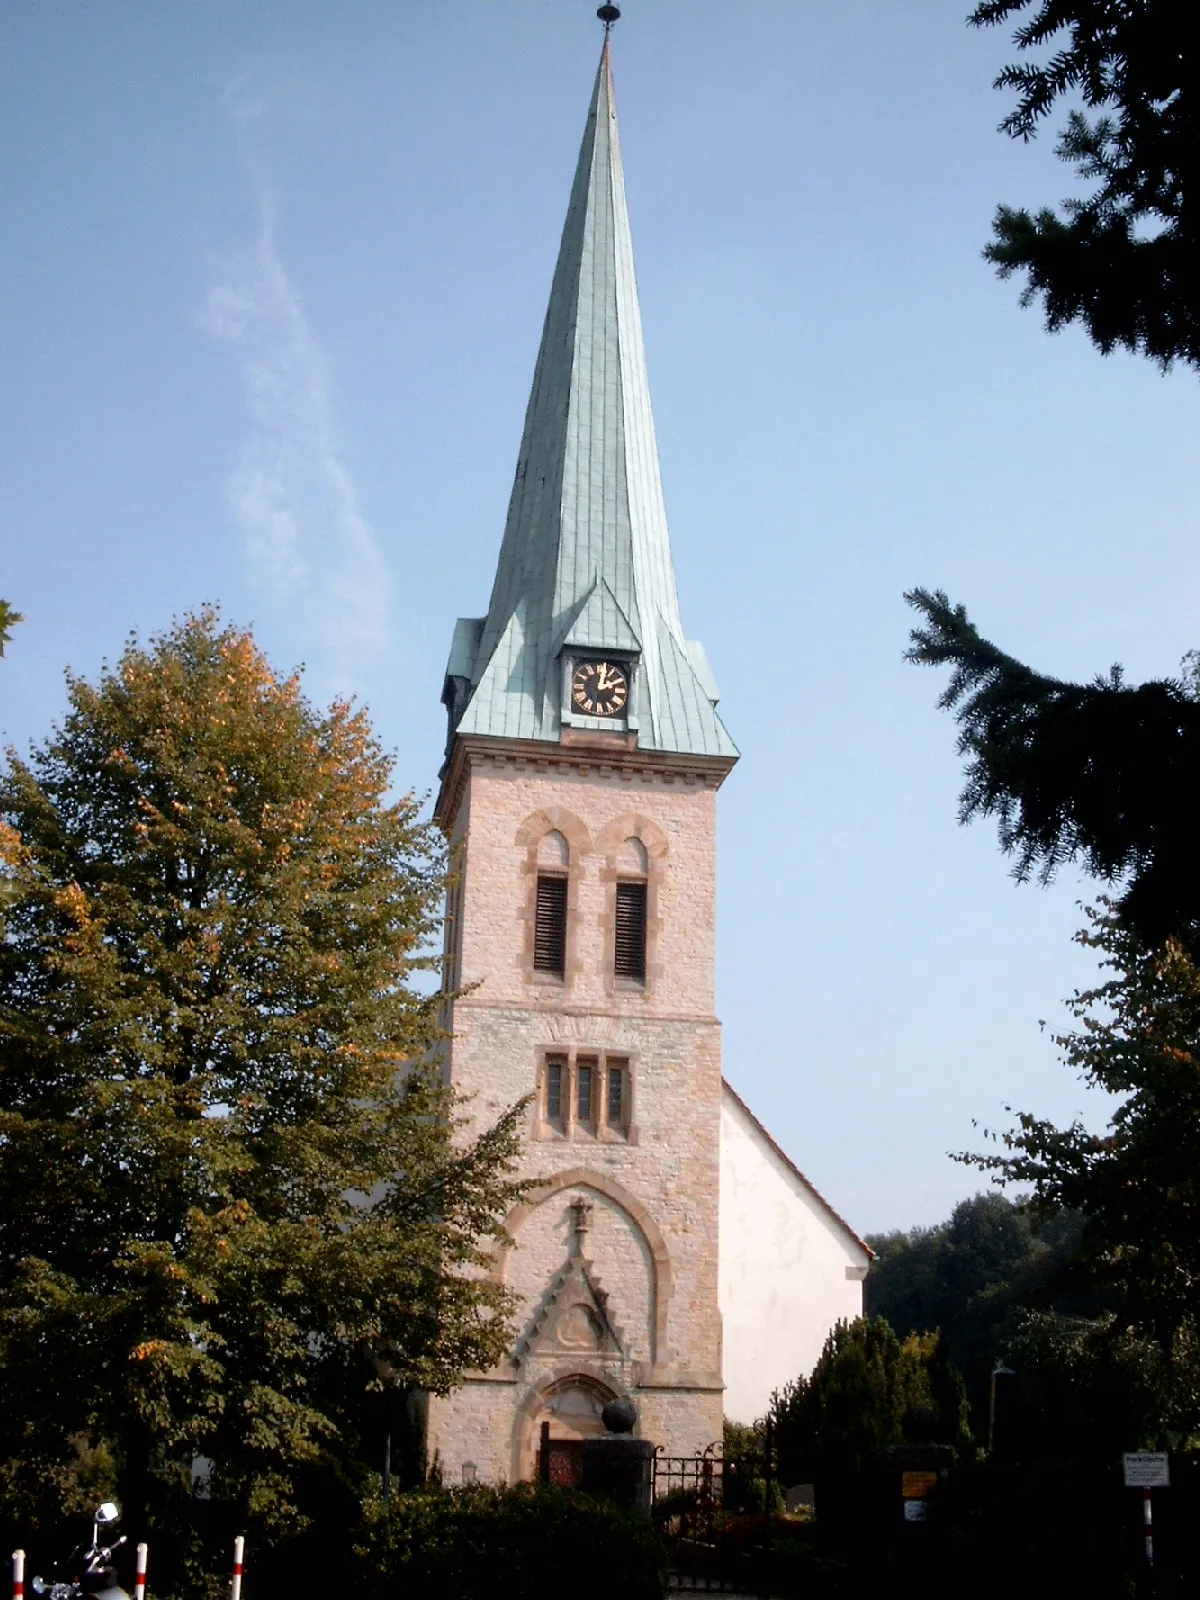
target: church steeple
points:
(585, 566)
(579, 803)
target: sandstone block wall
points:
(652, 1239)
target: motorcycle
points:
(92, 1568)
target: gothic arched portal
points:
(570, 1404)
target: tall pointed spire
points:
(585, 564)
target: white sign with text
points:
(1147, 1469)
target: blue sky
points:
(272, 282)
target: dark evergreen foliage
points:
(1103, 772)
(854, 1404)
(1125, 260)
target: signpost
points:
(239, 1550)
(915, 1489)
(1147, 1470)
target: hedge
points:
(530, 1540)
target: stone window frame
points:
(553, 819)
(567, 1127)
(632, 825)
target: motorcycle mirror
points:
(108, 1512)
(38, 1585)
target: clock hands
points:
(604, 681)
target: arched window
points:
(632, 860)
(553, 851)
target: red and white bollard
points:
(139, 1587)
(239, 1545)
(18, 1575)
(1148, 1525)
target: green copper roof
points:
(586, 561)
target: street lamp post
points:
(997, 1372)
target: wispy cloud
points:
(291, 492)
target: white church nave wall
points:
(789, 1268)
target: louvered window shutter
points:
(550, 926)
(630, 955)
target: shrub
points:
(865, 1390)
(526, 1541)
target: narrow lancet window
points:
(616, 1095)
(555, 1068)
(585, 1073)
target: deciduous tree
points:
(8, 621)
(1137, 1182)
(231, 1190)
(969, 1275)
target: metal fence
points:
(707, 1512)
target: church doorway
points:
(555, 1423)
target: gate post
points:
(619, 1466)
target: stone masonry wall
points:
(652, 1237)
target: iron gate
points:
(705, 1511)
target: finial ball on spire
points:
(608, 15)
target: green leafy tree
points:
(970, 1275)
(1086, 1389)
(8, 621)
(742, 1439)
(861, 1398)
(1137, 1182)
(1125, 260)
(1102, 773)
(233, 1191)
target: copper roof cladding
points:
(586, 559)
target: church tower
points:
(579, 800)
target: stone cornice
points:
(474, 1000)
(644, 1377)
(583, 753)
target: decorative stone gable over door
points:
(584, 753)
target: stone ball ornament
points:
(619, 1416)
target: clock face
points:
(599, 688)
